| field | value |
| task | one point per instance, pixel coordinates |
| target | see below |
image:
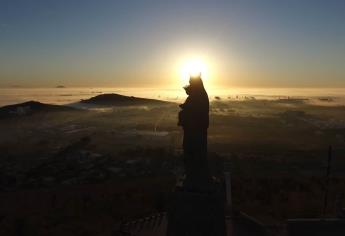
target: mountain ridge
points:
(113, 99)
(29, 108)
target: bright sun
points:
(193, 67)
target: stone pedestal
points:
(197, 213)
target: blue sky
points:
(262, 43)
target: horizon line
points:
(170, 87)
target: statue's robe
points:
(194, 119)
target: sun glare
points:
(193, 67)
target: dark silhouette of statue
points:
(194, 119)
(196, 208)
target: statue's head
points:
(195, 78)
(195, 82)
(195, 85)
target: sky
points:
(104, 43)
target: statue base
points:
(196, 213)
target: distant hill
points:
(28, 108)
(121, 100)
